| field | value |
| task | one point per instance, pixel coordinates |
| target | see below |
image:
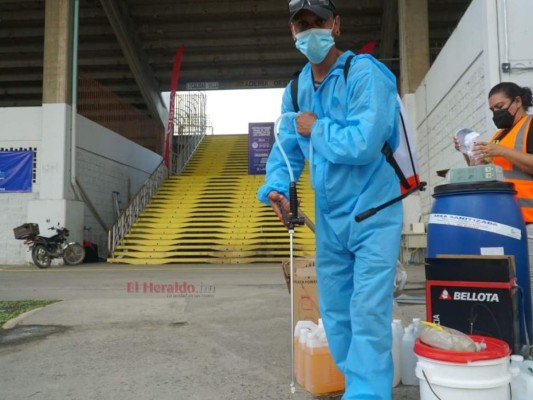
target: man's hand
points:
(280, 205)
(304, 123)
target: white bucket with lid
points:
(482, 375)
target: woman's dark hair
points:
(512, 90)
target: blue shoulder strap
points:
(347, 66)
(294, 91)
(294, 82)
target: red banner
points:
(173, 88)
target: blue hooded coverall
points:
(356, 262)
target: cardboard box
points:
(417, 227)
(478, 173)
(305, 288)
(475, 295)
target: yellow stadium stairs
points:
(210, 214)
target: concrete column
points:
(414, 43)
(412, 208)
(57, 202)
(57, 78)
(57, 62)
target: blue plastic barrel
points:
(466, 217)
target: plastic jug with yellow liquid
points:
(301, 330)
(321, 373)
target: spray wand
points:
(292, 220)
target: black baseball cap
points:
(323, 8)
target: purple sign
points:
(260, 141)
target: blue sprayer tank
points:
(466, 217)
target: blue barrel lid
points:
(469, 187)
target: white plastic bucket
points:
(452, 375)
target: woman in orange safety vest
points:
(511, 147)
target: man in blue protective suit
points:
(341, 130)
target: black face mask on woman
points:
(503, 119)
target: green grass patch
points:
(12, 308)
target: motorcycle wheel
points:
(40, 256)
(74, 254)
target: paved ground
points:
(108, 339)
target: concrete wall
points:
(454, 93)
(21, 129)
(105, 162)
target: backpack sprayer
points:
(402, 159)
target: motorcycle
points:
(45, 249)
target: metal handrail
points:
(188, 147)
(137, 204)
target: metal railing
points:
(137, 204)
(187, 146)
(190, 126)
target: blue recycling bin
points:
(468, 217)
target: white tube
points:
(74, 111)
(291, 272)
(283, 154)
(505, 32)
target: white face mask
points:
(315, 43)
